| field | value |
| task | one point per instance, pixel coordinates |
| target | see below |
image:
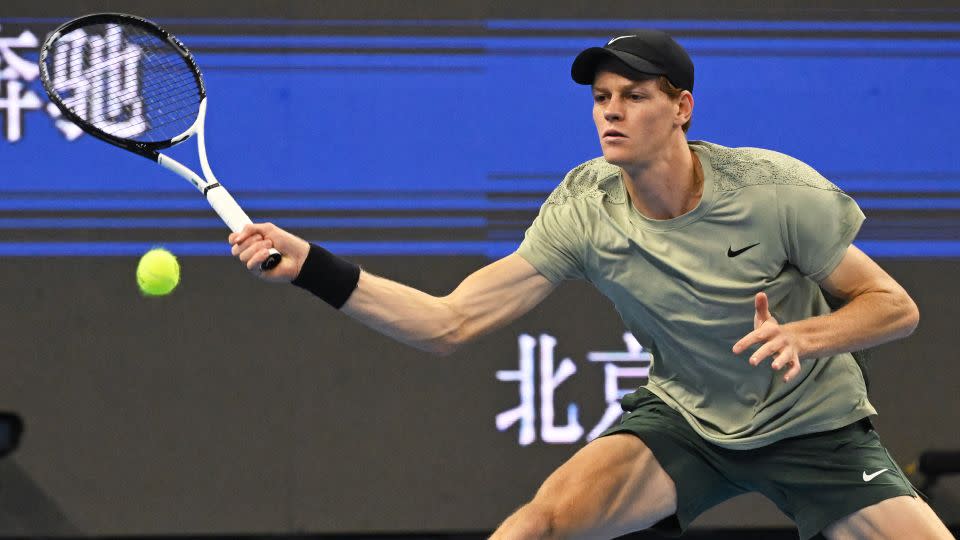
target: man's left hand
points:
(776, 339)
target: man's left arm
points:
(876, 310)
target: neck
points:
(667, 187)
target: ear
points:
(685, 108)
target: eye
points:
(637, 97)
(599, 98)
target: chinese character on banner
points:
(525, 413)
(552, 376)
(15, 97)
(612, 373)
(99, 79)
(97, 76)
(549, 381)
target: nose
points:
(613, 111)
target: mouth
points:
(612, 134)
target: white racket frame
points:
(217, 195)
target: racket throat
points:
(202, 144)
(175, 166)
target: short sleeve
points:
(553, 243)
(818, 225)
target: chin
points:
(624, 157)
(616, 157)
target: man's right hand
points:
(252, 245)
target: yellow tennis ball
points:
(158, 272)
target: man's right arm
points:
(486, 300)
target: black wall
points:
(238, 406)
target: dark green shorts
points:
(815, 479)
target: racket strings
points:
(121, 94)
(147, 112)
(121, 90)
(144, 103)
(126, 81)
(161, 105)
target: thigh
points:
(899, 517)
(612, 486)
(820, 479)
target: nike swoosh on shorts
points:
(869, 477)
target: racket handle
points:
(227, 208)
(271, 261)
(235, 218)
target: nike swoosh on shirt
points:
(869, 477)
(732, 253)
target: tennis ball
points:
(158, 272)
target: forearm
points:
(867, 320)
(406, 314)
(487, 299)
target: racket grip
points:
(235, 218)
(271, 261)
(227, 208)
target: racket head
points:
(123, 79)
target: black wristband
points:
(329, 277)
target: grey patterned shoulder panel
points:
(590, 179)
(736, 168)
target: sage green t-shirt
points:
(685, 286)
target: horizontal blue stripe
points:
(493, 249)
(372, 60)
(198, 203)
(923, 249)
(96, 249)
(360, 43)
(795, 44)
(909, 204)
(489, 249)
(505, 184)
(186, 249)
(733, 25)
(356, 42)
(901, 185)
(563, 24)
(426, 203)
(459, 188)
(545, 46)
(214, 223)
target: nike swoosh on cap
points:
(616, 38)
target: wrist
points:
(800, 338)
(327, 276)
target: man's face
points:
(635, 119)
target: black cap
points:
(647, 51)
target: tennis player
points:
(720, 256)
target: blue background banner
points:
(473, 127)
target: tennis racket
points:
(126, 81)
